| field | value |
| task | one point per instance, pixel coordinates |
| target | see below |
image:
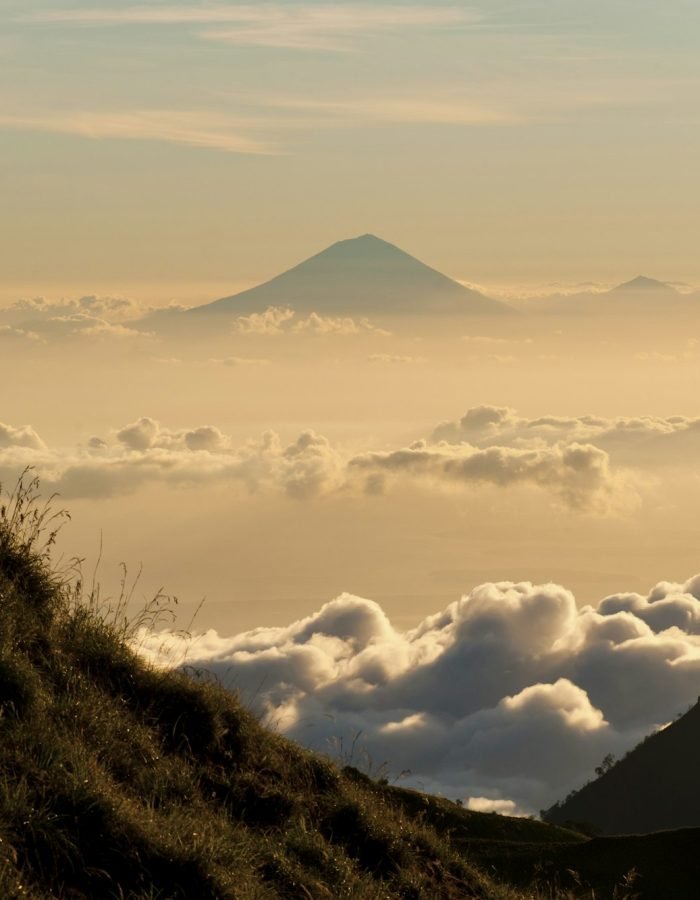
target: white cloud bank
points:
(93, 318)
(637, 440)
(507, 699)
(276, 320)
(577, 476)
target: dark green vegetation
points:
(657, 785)
(121, 781)
(550, 861)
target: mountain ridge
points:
(654, 787)
(643, 283)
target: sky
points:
(467, 537)
(179, 150)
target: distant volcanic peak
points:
(365, 276)
(642, 283)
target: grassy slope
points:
(120, 781)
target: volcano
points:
(642, 284)
(361, 276)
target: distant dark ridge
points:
(655, 787)
(642, 284)
(361, 276)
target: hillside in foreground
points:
(118, 780)
(656, 786)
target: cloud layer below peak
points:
(575, 475)
(634, 440)
(511, 694)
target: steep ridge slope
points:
(656, 786)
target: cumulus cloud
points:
(670, 605)
(489, 805)
(110, 309)
(90, 317)
(20, 335)
(276, 320)
(24, 436)
(633, 440)
(507, 699)
(268, 322)
(145, 452)
(577, 475)
(140, 435)
(81, 325)
(316, 324)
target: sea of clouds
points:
(39, 321)
(506, 700)
(575, 472)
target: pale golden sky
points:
(286, 459)
(168, 149)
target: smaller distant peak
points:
(642, 283)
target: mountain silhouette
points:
(360, 276)
(639, 296)
(642, 284)
(655, 787)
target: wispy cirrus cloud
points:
(443, 107)
(262, 133)
(497, 101)
(195, 128)
(261, 124)
(274, 25)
